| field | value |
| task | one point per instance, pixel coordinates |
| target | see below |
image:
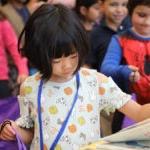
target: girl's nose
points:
(67, 63)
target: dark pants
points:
(117, 121)
(4, 89)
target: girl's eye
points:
(114, 4)
(56, 61)
(73, 56)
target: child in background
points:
(60, 104)
(128, 55)
(89, 12)
(114, 21)
(8, 44)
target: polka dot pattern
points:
(96, 92)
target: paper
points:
(135, 137)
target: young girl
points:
(88, 12)
(60, 105)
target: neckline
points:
(138, 36)
(54, 83)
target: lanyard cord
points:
(39, 114)
(59, 134)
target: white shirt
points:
(84, 124)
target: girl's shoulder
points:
(92, 73)
(31, 82)
(30, 86)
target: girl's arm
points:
(9, 133)
(111, 98)
(136, 111)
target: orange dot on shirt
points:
(85, 72)
(38, 77)
(89, 107)
(72, 128)
(101, 91)
(68, 91)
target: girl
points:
(60, 105)
(88, 12)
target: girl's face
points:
(141, 20)
(64, 67)
(115, 10)
(92, 13)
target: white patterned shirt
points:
(84, 124)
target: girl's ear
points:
(83, 10)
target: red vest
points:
(137, 53)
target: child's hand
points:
(135, 75)
(8, 132)
(133, 68)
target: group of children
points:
(127, 57)
(57, 49)
(60, 104)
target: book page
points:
(139, 131)
(131, 145)
(135, 137)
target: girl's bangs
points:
(66, 50)
(64, 47)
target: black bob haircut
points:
(84, 3)
(51, 32)
(132, 4)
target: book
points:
(135, 137)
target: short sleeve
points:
(111, 96)
(25, 120)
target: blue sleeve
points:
(111, 65)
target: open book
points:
(135, 137)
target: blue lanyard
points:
(59, 134)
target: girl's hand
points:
(8, 132)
